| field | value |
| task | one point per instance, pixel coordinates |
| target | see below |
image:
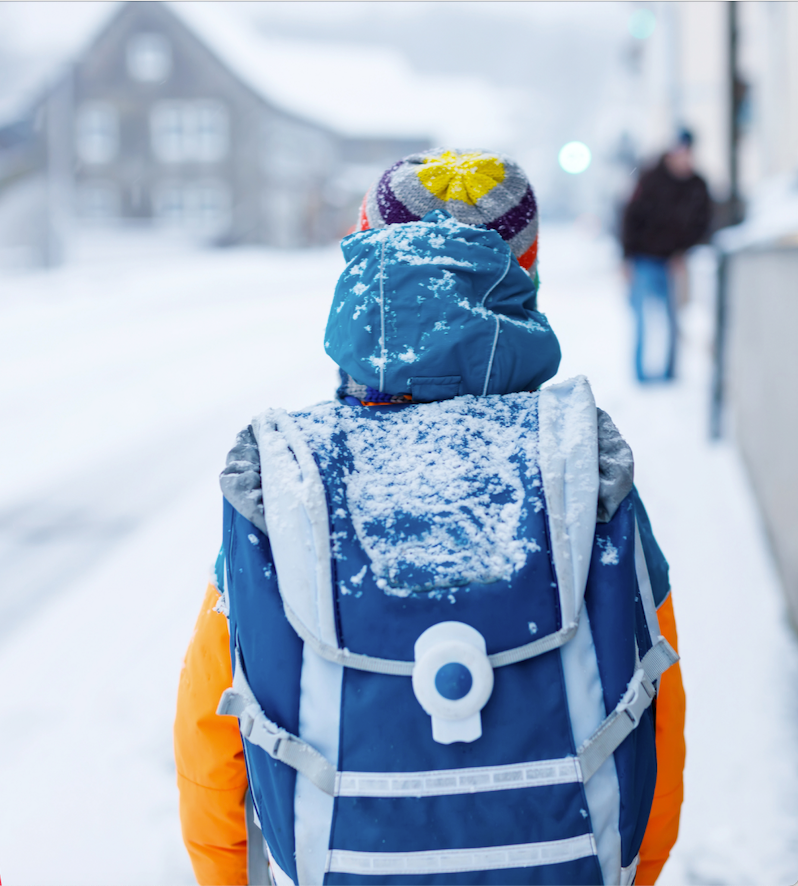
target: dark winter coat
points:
(666, 215)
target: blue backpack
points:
(444, 668)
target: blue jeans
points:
(653, 299)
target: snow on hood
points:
(438, 309)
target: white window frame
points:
(97, 132)
(190, 131)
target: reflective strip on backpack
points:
(256, 727)
(281, 745)
(441, 782)
(453, 861)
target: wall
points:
(762, 376)
(762, 328)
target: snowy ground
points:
(123, 380)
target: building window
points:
(98, 200)
(185, 132)
(97, 132)
(211, 131)
(149, 58)
(202, 206)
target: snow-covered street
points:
(124, 378)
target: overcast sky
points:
(38, 26)
(560, 66)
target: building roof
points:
(40, 42)
(354, 89)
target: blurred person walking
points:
(668, 213)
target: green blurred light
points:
(574, 157)
(642, 23)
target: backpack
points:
(444, 668)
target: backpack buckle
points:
(637, 697)
(452, 680)
(259, 730)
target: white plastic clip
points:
(453, 680)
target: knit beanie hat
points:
(475, 187)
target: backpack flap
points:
(298, 521)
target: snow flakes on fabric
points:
(437, 493)
(609, 553)
(441, 291)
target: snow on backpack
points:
(443, 667)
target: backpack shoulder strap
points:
(295, 509)
(570, 472)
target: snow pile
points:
(437, 499)
(771, 216)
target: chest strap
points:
(258, 729)
(624, 719)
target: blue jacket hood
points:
(437, 309)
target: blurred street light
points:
(642, 23)
(574, 157)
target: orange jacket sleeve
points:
(211, 773)
(663, 823)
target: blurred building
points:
(730, 73)
(173, 116)
(684, 80)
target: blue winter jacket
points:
(436, 309)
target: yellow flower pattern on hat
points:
(465, 177)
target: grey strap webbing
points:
(257, 861)
(258, 729)
(281, 745)
(397, 668)
(624, 719)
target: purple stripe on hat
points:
(392, 210)
(513, 222)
